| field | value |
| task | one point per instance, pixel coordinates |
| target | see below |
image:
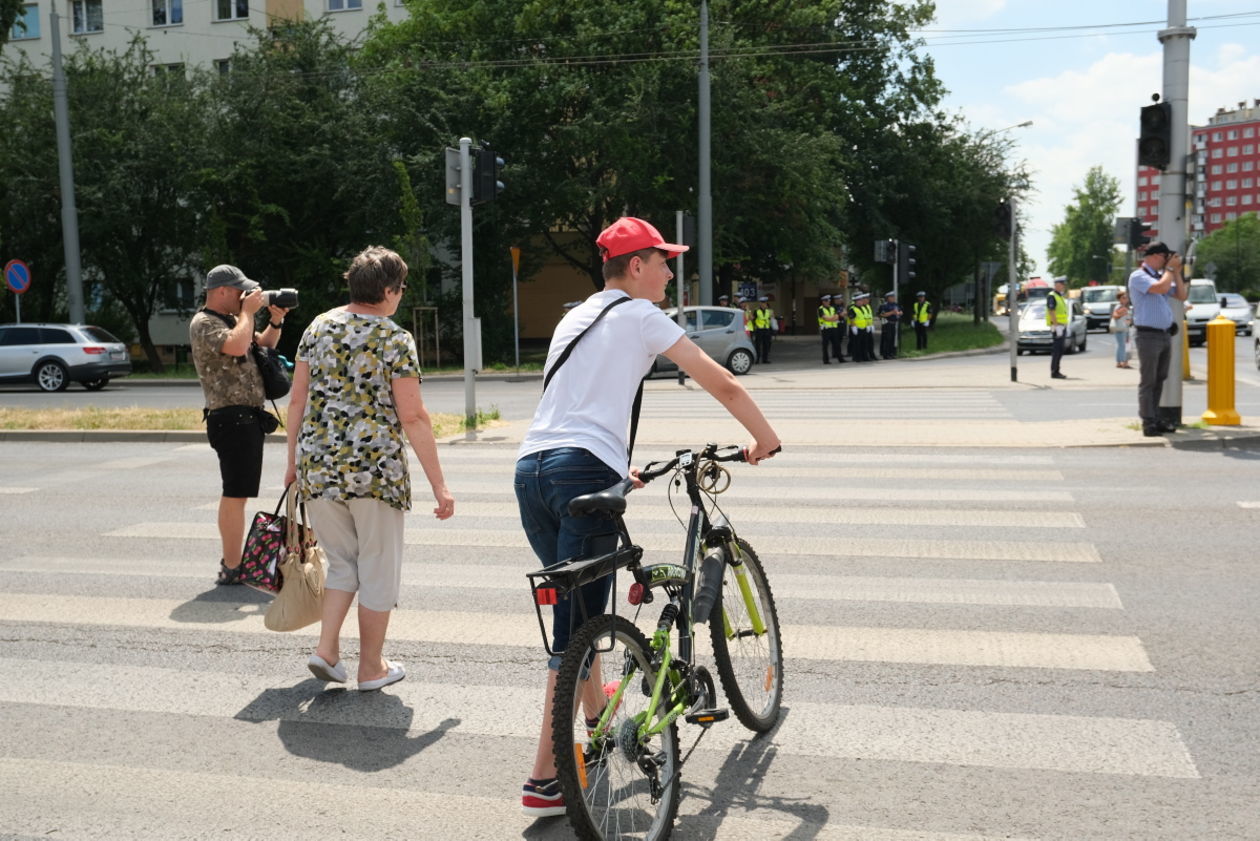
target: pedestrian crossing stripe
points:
(1065, 743)
(873, 547)
(795, 493)
(768, 472)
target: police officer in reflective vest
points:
(859, 323)
(921, 317)
(1058, 316)
(890, 312)
(829, 329)
(762, 331)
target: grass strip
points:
(953, 332)
(135, 418)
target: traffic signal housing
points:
(1003, 223)
(486, 167)
(1139, 234)
(1155, 139)
(885, 251)
(906, 260)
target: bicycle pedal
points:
(707, 717)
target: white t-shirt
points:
(588, 402)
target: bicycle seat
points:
(609, 501)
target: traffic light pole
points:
(1012, 295)
(466, 265)
(1172, 187)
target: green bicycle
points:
(619, 695)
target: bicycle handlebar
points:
(710, 452)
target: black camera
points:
(284, 298)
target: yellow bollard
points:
(1220, 373)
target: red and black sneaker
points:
(542, 798)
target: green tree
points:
(1080, 245)
(1231, 256)
(9, 11)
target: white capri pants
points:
(363, 540)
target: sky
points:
(1082, 88)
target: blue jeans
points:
(545, 482)
(1122, 352)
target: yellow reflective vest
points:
(861, 317)
(761, 318)
(823, 312)
(1059, 313)
(922, 312)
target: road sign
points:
(17, 276)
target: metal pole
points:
(679, 276)
(466, 264)
(704, 234)
(1172, 223)
(897, 273)
(65, 170)
(516, 310)
(1012, 295)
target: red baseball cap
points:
(629, 234)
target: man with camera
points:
(1151, 286)
(222, 335)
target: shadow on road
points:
(222, 604)
(313, 725)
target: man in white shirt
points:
(578, 442)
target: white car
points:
(1236, 309)
(719, 331)
(1034, 333)
(54, 355)
(1202, 306)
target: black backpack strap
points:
(564, 356)
(634, 419)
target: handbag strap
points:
(292, 529)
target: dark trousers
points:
(857, 345)
(761, 336)
(1056, 350)
(888, 340)
(920, 336)
(831, 340)
(868, 343)
(1154, 357)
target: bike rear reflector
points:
(545, 595)
(579, 761)
(635, 596)
(769, 677)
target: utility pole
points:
(1012, 293)
(472, 328)
(65, 171)
(705, 207)
(1172, 186)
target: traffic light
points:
(1155, 140)
(1003, 224)
(906, 260)
(1139, 234)
(885, 251)
(486, 167)
(453, 186)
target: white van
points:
(1202, 306)
(1099, 301)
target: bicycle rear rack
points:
(550, 584)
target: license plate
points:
(117, 354)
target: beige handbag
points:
(301, 598)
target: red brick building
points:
(1223, 181)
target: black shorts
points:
(236, 434)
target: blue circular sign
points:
(17, 276)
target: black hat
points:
(1157, 248)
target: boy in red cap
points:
(577, 443)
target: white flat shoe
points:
(396, 673)
(320, 668)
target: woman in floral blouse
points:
(356, 390)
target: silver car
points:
(719, 331)
(1236, 309)
(54, 355)
(1034, 333)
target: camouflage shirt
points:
(350, 444)
(226, 380)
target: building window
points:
(1249, 132)
(1155, 178)
(1216, 153)
(1248, 166)
(1246, 199)
(1142, 181)
(223, 65)
(231, 9)
(1216, 169)
(1216, 217)
(1230, 217)
(1231, 201)
(168, 12)
(26, 24)
(1216, 186)
(1246, 183)
(1216, 135)
(173, 69)
(1232, 134)
(1232, 151)
(1231, 184)
(1249, 149)
(344, 5)
(1231, 168)
(87, 16)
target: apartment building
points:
(1223, 176)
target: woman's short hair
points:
(615, 267)
(374, 270)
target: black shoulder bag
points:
(568, 351)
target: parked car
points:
(1034, 333)
(719, 331)
(1236, 309)
(1099, 301)
(54, 355)
(1202, 306)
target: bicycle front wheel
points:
(747, 648)
(618, 781)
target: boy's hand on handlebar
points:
(758, 451)
(634, 477)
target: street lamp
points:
(1024, 124)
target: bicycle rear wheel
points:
(747, 648)
(616, 785)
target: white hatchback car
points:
(1034, 333)
(54, 355)
(719, 331)
(1236, 309)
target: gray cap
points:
(226, 275)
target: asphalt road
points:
(1045, 644)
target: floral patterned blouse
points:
(351, 444)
